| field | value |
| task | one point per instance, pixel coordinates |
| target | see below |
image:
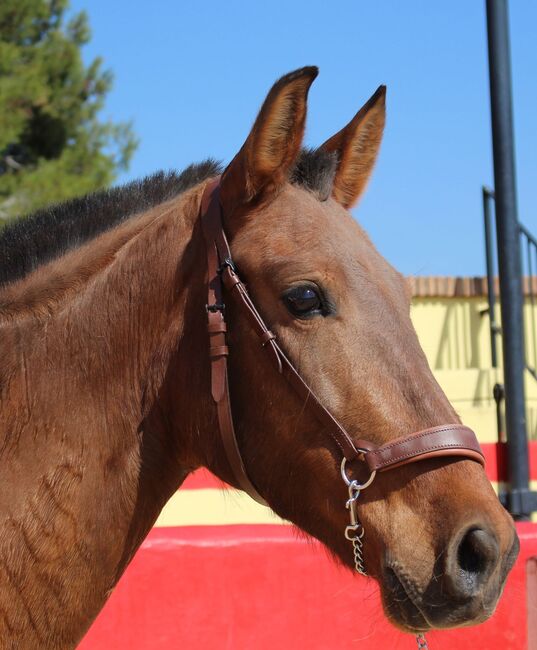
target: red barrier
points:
(265, 588)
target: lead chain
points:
(355, 531)
(357, 546)
(355, 534)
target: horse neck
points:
(98, 414)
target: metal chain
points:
(354, 532)
(357, 546)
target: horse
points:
(105, 383)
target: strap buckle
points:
(228, 262)
(215, 307)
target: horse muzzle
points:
(467, 581)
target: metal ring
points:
(359, 486)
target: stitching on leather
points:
(422, 451)
(378, 453)
(423, 435)
(338, 443)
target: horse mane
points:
(32, 241)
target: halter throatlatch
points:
(450, 440)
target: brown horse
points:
(105, 384)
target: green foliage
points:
(52, 144)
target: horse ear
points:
(263, 163)
(357, 146)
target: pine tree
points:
(52, 144)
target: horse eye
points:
(303, 301)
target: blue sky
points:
(191, 76)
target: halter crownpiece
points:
(450, 440)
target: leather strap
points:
(218, 350)
(446, 440)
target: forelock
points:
(315, 170)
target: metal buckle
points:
(217, 306)
(229, 263)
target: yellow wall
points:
(454, 333)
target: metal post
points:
(520, 500)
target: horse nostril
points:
(477, 550)
(476, 556)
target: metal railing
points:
(528, 247)
(529, 263)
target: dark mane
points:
(37, 239)
(47, 234)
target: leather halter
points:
(449, 440)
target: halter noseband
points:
(449, 440)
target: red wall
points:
(262, 588)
